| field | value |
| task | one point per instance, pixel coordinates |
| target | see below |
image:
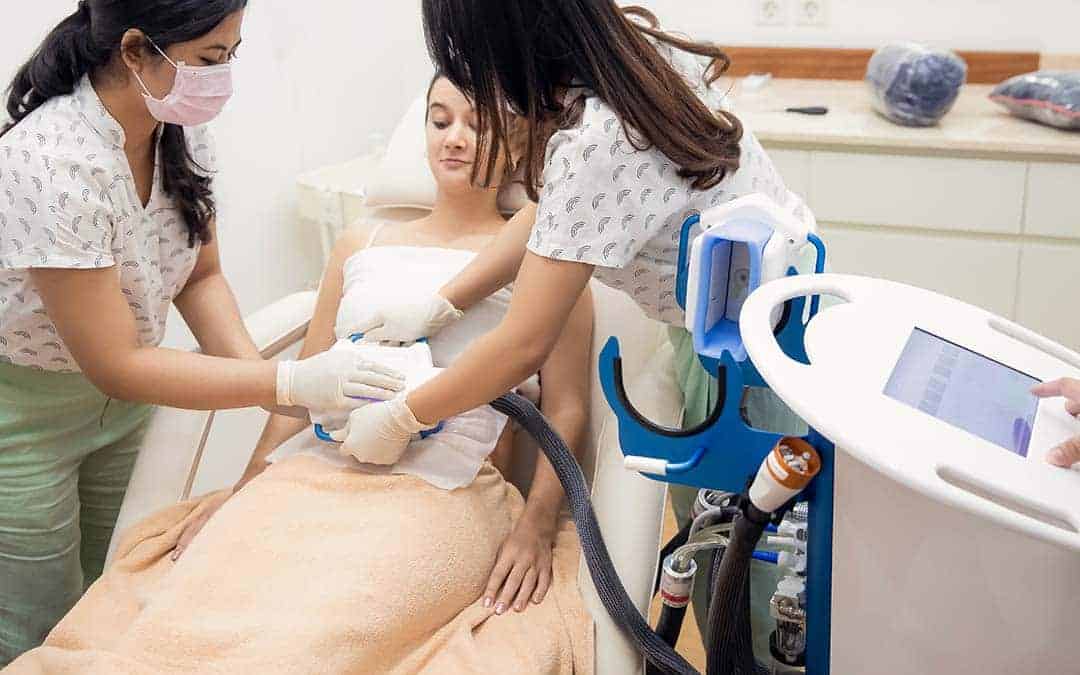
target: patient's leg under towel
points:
(316, 569)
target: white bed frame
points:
(629, 507)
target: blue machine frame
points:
(724, 452)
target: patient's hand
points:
(522, 571)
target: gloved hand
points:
(335, 379)
(379, 434)
(408, 321)
(1068, 453)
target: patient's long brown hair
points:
(526, 53)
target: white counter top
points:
(976, 125)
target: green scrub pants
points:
(764, 411)
(66, 454)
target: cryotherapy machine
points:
(939, 540)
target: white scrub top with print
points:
(607, 204)
(68, 200)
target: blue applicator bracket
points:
(724, 452)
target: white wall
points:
(1036, 25)
(316, 78)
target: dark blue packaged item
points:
(1050, 97)
(915, 85)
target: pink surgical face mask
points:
(198, 94)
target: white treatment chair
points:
(629, 507)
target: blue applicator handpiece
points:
(323, 435)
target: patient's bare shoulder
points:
(357, 236)
(348, 243)
(369, 232)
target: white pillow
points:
(404, 178)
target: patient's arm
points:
(496, 266)
(522, 572)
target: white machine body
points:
(956, 547)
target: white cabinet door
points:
(980, 272)
(1053, 200)
(944, 193)
(1049, 294)
(794, 168)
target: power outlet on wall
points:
(772, 12)
(812, 12)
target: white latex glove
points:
(379, 434)
(334, 380)
(408, 321)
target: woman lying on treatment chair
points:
(311, 565)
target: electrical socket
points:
(772, 12)
(812, 12)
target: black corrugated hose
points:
(729, 640)
(729, 643)
(668, 627)
(608, 586)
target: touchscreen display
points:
(967, 390)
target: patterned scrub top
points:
(68, 201)
(607, 204)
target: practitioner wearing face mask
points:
(107, 217)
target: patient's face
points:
(452, 139)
